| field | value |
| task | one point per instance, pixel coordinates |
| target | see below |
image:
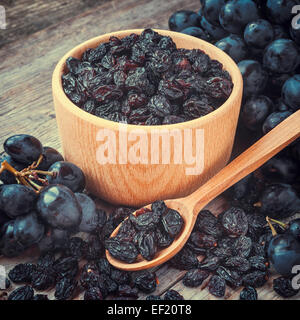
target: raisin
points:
(94, 248)
(255, 279)
(159, 207)
(226, 242)
(126, 290)
(194, 277)
(73, 65)
(258, 263)
(126, 232)
(163, 238)
(173, 295)
(22, 293)
(107, 285)
(206, 222)
(65, 267)
(65, 288)
(200, 61)
(120, 214)
(146, 282)
(210, 263)
(231, 277)
(217, 286)
(160, 61)
(184, 260)
(139, 115)
(221, 252)
(107, 229)
(22, 273)
(137, 79)
(219, 88)
(172, 222)
(248, 293)
(42, 280)
(196, 107)
(160, 106)
(234, 222)
(170, 89)
(202, 240)
(104, 266)
(106, 93)
(146, 221)
(256, 223)
(146, 244)
(120, 276)
(46, 261)
(93, 293)
(89, 276)
(238, 263)
(89, 106)
(76, 247)
(242, 246)
(137, 100)
(124, 251)
(195, 249)
(283, 287)
(258, 250)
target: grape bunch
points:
(259, 37)
(40, 195)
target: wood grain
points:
(25, 17)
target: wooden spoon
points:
(189, 207)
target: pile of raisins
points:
(232, 253)
(79, 266)
(76, 266)
(145, 233)
(145, 80)
(232, 249)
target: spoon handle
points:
(251, 159)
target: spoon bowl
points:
(189, 207)
(164, 254)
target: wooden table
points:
(38, 34)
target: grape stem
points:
(281, 224)
(27, 175)
(274, 233)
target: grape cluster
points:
(259, 37)
(38, 195)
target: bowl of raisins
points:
(146, 114)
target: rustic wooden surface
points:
(29, 50)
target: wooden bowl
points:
(136, 184)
